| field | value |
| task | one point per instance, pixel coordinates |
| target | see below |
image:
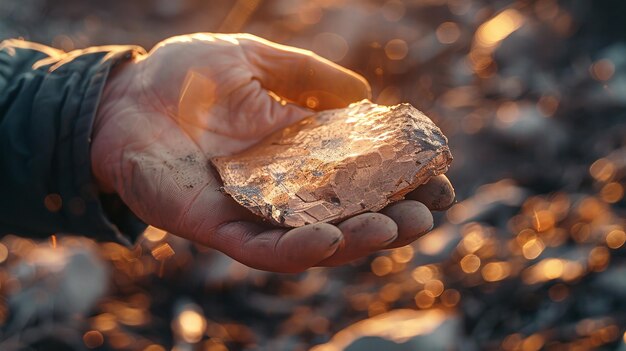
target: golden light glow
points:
(360, 301)
(599, 258)
(602, 170)
(435, 241)
(612, 192)
(560, 204)
(4, 253)
(310, 14)
(124, 314)
(599, 331)
(472, 123)
(543, 220)
(572, 270)
(93, 339)
(53, 202)
(424, 299)
(547, 10)
(391, 95)
(422, 274)
(396, 49)
(450, 297)
(191, 325)
(558, 292)
(105, 322)
(602, 70)
(533, 248)
(434, 287)
(398, 267)
(53, 259)
(530, 229)
(457, 213)
(393, 10)
(163, 252)
(390, 292)
(512, 342)
(496, 271)
(580, 232)
(154, 234)
(214, 345)
(499, 27)
(398, 326)
(312, 102)
(448, 33)
(508, 112)
(481, 61)
(197, 97)
(470, 263)
(402, 254)
(547, 105)
(533, 343)
(319, 324)
(238, 16)
(382, 265)
(587, 326)
(609, 333)
(615, 239)
(563, 24)
(552, 268)
(154, 347)
(474, 239)
(330, 45)
(525, 235)
(592, 209)
(376, 308)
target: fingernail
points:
(390, 240)
(337, 239)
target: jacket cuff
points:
(105, 217)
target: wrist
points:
(106, 146)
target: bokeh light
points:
(531, 96)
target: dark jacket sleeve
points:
(48, 101)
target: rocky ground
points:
(532, 96)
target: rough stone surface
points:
(336, 163)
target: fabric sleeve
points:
(48, 102)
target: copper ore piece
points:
(336, 163)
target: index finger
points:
(302, 76)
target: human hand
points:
(164, 115)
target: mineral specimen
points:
(336, 163)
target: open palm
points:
(163, 116)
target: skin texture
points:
(437, 194)
(193, 97)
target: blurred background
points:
(532, 97)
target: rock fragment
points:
(337, 163)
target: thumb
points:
(253, 113)
(302, 76)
